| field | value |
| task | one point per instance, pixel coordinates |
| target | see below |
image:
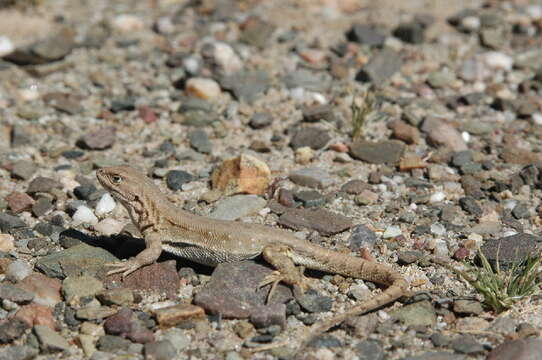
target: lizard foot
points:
(298, 282)
(124, 267)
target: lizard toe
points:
(124, 267)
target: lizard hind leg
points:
(286, 271)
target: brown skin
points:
(210, 242)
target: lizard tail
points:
(366, 270)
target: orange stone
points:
(244, 174)
(35, 314)
(176, 314)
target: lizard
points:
(165, 227)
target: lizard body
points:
(211, 241)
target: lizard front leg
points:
(153, 249)
(280, 257)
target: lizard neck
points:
(143, 211)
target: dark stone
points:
(318, 112)
(310, 198)
(511, 249)
(112, 344)
(265, 316)
(9, 222)
(366, 34)
(412, 33)
(383, 152)
(321, 220)
(467, 344)
(313, 302)
(126, 104)
(176, 178)
(325, 341)
(73, 154)
(43, 184)
(470, 205)
(311, 136)
(361, 237)
(84, 192)
(472, 187)
(369, 350)
(12, 329)
(408, 257)
(381, 67)
(200, 141)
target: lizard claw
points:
(124, 267)
(274, 278)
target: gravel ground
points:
(198, 94)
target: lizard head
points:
(126, 184)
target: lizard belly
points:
(205, 256)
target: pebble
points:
(83, 215)
(203, 88)
(6, 46)
(420, 314)
(497, 60)
(366, 34)
(50, 340)
(243, 174)
(380, 67)
(237, 206)
(325, 222)
(510, 249)
(200, 141)
(23, 169)
(117, 296)
(126, 23)
(105, 205)
(76, 287)
(43, 184)
(7, 243)
(247, 86)
(99, 139)
(466, 344)
(441, 134)
(361, 237)
(18, 269)
(310, 198)
(268, 316)
(159, 279)
(310, 136)
(312, 177)
(12, 329)
(178, 314)
(392, 231)
(175, 179)
(412, 32)
(369, 350)
(160, 350)
(467, 307)
(42, 206)
(18, 352)
(313, 302)
(383, 152)
(85, 191)
(304, 155)
(512, 349)
(260, 120)
(225, 57)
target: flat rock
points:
(46, 290)
(305, 79)
(15, 294)
(366, 34)
(159, 278)
(23, 169)
(524, 349)
(9, 222)
(243, 174)
(436, 355)
(442, 134)
(369, 350)
(311, 177)
(237, 206)
(99, 139)
(50, 340)
(418, 314)
(12, 329)
(361, 237)
(35, 314)
(324, 221)
(380, 67)
(200, 141)
(247, 86)
(74, 260)
(511, 249)
(18, 352)
(382, 152)
(43, 184)
(311, 136)
(19, 202)
(233, 290)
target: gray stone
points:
(160, 350)
(418, 314)
(74, 260)
(260, 120)
(468, 307)
(52, 48)
(467, 344)
(19, 136)
(99, 139)
(369, 350)
(311, 177)
(510, 249)
(311, 136)
(361, 237)
(23, 169)
(470, 205)
(436, 355)
(306, 80)
(266, 316)
(113, 344)
(42, 206)
(321, 220)
(441, 79)
(50, 340)
(234, 292)
(15, 294)
(313, 302)
(237, 206)
(412, 32)
(12, 329)
(366, 34)
(381, 67)
(18, 352)
(43, 184)
(9, 222)
(529, 59)
(175, 179)
(200, 141)
(80, 286)
(442, 134)
(247, 86)
(524, 349)
(310, 198)
(521, 211)
(408, 257)
(383, 152)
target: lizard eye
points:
(117, 179)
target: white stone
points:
(203, 88)
(7, 243)
(191, 64)
(498, 60)
(108, 227)
(534, 11)
(83, 215)
(438, 229)
(466, 136)
(441, 248)
(510, 204)
(127, 23)
(6, 46)
(225, 57)
(18, 270)
(509, 233)
(471, 23)
(437, 197)
(391, 232)
(537, 118)
(105, 205)
(165, 25)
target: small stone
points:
(466, 344)
(43, 184)
(177, 337)
(83, 215)
(366, 197)
(200, 141)
(15, 294)
(404, 132)
(10, 222)
(472, 187)
(461, 254)
(50, 340)
(521, 211)
(256, 32)
(354, 187)
(361, 237)
(321, 220)
(408, 257)
(18, 352)
(18, 269)
(247, 86)
(12, 329)
(470, 205)
(147, 114)
(223, 55)
(510, 249)
(311, 136)
(380, 67)
(441, 79)
(23, 169)
(392, 231)
(159, 278)
(304, 155)
(384, 152)
(94, 312)
(42, 206)
(175, 179)
(19, 202)
(311, 177)
(99, 139)
(369, 350)
(243, 174)
(160, 350)
(105, 205)
(203, 88)
(310, 198)
(528, 349)
(237, 206)
(178, 314)
(366, 34)
(84, 192)
(412, 33)
(112, 344)
(118, 296)
(126, 23)
(417, 314)
(306, 80)
(76, 287)
(442, 134)
(109, 227)
(122, 104)
(313, 302)
(55, 46)
(266, 316)
(63, 102)
(260, 120)
(437, 197)
(468, 307)
(46, 292)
